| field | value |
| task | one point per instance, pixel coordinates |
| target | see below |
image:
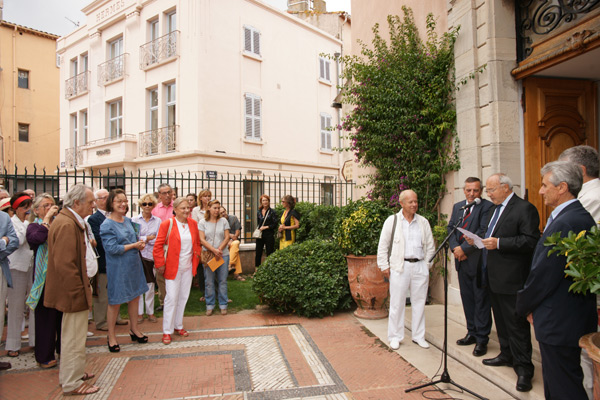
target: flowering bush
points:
(582, 251)
(358, 226)
(403, 121)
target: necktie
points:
(466, 215)
(488, 233)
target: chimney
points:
(296, 5)
(320, 6)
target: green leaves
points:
(309, 279)
(582, 252)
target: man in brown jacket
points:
(68, 287)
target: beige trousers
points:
(72, 353)
(234, 257)
(101, 302)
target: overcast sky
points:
(53, 15)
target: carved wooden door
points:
(559, 113)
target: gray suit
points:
(6, 229)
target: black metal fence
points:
(237, 192)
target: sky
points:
(53, 16)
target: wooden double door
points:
(558, 114)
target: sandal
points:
(46, 365)
(166, 339)
(182, 332)
(152, 318)
(12, 353)
(202, 299)
(87, 376)
(83, 390)
(238, 278)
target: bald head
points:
(101, 195)
(409, 202)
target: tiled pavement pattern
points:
(249, 355)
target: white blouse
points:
(185, 254)
(22, 258)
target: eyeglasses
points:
(102, 198)
(165, 193)
(147, 204)
(491, 190)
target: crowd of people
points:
(504, 270)
(58, 263)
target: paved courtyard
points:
(248, 355)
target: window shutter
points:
(248, 117)
(328, 132)
(323, 133)
(257, 119)
(327, 70)
(256, 37)
(321, 75)
(247, 39)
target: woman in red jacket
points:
(176, 255)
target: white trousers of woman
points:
(178, 291)
(17, 295)
(149, 295)
(416, 278)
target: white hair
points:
(76, 193)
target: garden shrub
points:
(322, 221)
(309, 279)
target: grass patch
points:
(240, 292)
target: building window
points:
(253, 116)
(251, 40)
(171, 117)
(324, 69)
(74, 130)
(115, 48)
(84, 127)
(153, 114)
(23, 79)
(325, 131)
(23, 132)
(171, 22)
(74, 66)
(115, 119)
(327, 194)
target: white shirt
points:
(413, 242)
(21, 259)
(504, 203)
(185, 254)
(198, 214)
(91, 260)
(589, 196)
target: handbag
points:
(166, 245)
(148, 269)
(208, 255)
(257, 234)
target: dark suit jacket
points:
(95, 220)
(518, 233)
(478, 216)
(560, 317)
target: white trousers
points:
(3, 296)
(416, 278)
(149, 295)
(178, 291)
(17, 295)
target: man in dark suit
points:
(509, 237)
(559, 317)
(473, 289)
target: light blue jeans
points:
(209, 283)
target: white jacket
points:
(396, 261)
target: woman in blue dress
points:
(124, 270)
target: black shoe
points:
(467, 340)
(159, 308)
(134, 337)
(113, 349)
(480, 349)
(524, 383)
(498, 361)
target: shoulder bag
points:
(257, 234)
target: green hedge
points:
(309, 279)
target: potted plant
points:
(583, 252)
(357, 233)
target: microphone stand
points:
(445, 377)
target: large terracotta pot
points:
(591, 343)
(369, 289)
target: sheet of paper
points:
(214, 263)
(476, 239)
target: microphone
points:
(468, 205)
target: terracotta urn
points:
(591, 343)
(369, 289)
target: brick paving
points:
(249, 355)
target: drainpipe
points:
(14, 96)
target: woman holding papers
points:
(214, 235)
(176, 255)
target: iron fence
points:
(239, 193)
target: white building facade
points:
(198, 85)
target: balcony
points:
(109, 150)
(77, 85)
(111, 70)
(73, 157)
(158, 141)
(159, 50)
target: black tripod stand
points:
(445, 378)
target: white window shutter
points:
(256, 37)
(328, 132)
(248, 117)
(327, 71)
(257, 118)
(321, 70)
(247, 39)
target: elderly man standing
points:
(559, 317)
(473, 286)
(509, 236)
(9, 242)
(587, 159)
(68, 288)
(164, 211)
(405, 248)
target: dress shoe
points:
(395, 344)
(467, 340)
(422, 343)
(480, 349)
(5, 365)
(498, 361)
(523, 383)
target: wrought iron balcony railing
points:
(158, 141)
(111, 70)
(76, 85)
(73, 157)
(159, 50)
